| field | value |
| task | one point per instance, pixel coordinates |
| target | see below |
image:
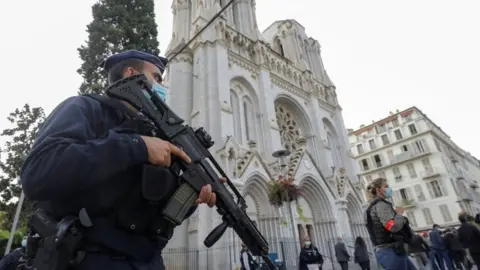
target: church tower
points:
(256, 93)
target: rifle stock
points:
(201, 171)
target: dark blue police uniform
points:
(84, 157)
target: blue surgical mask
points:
(388, 192)
(160, 90)
(308, 243)
(24, 243)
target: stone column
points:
(342, 219)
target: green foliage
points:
(301, 214)
(117, 25)
(17, 240)
(21, 135)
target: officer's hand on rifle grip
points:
(207, 196)
(160, 151)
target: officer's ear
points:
(129, 71)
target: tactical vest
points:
(121, 205)
(377, 231)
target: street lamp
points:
(282, 155)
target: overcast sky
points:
(381, 55)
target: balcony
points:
(464, 196)
(397, 159)
(432, 172)
(406, 203)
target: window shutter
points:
(419, 192)
(430, 190)
(410, 193)
(397, 198)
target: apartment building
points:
(432, 178)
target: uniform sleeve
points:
(68, 156)
(392, 222)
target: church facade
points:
(256, 93)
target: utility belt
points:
(62, 245)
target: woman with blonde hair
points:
(388, 229)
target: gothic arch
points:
(317, 199)
(256, 188)
(354, 209)
(245, 109)
(355, 215)
(333, 142)
(329, 126)
(293, 121)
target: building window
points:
(385, 140)
(445, 213)
(428, 216)
(404, 194)
(360, 149)
(419, 192)
(237, 130)
(412, 219)
(368, 178)
(420, 146)
(364, 165)
(435, 189)
(372, 144)
(413, 129)
(395, 122)
(249, 119)
(411, 170)
(398, 134)
(391, 157)
(397, 174)
(380, 128)
(427, 165)
(378, 161)
(437, 144)
(404, 148)
(382, 175)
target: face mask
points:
(308, 243)
(160, 90)
(24, 243)
(388, 192)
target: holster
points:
(53, 245)
(399, 248)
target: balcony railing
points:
(406, 203)
(397, 159)
(432, 172)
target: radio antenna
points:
(201, 30)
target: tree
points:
(117, 25)
(25, 124)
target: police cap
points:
(111, 61)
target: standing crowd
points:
(450, 248)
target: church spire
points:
(182, 23)
(244, 17)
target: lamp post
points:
(15, 223)
(282, 155)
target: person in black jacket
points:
(420, 249)
(310, 256)
(469, 237)
(454, 248)
(361, 254)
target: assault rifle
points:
(201, 171)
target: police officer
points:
(83, 158)
(388, 229)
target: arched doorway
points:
(323, 227)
